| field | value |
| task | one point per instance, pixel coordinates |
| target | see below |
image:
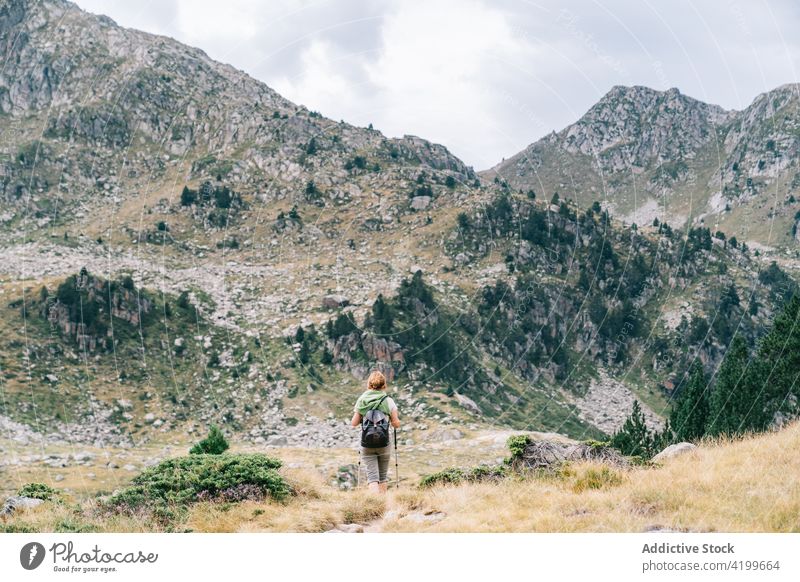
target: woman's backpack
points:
(375, 427)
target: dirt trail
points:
(391, 515)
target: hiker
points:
(376, 429)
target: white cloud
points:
(440, 69)
(320, 84)
(231, 20)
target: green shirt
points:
(368, 400)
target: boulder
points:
(334, 301)
(425, 517)
(674, 451)
(444, 434)
(277, 440)
(420, 202)
(551, 454)
(467, 403)
(16, 502)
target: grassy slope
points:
(744, 485)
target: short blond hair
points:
(376, 380)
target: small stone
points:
(420, 202)
(429, 517)
(334, 301)
(277, 440)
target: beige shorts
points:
(376, 463)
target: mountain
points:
(649, 154)
(182, 246)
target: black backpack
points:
(375, 427)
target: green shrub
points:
(516, 445)
(178, 482)
(213, 444)
(454, 475)
(39, 491)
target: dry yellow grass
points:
(746, 485)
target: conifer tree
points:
(213, 444)
(777, 374)
(634, 438)
(733, 406)
(690, 415)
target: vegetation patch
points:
(455, 475)
(178, 482)
(213, 444)
(40, 491)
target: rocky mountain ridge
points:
(283, 255)
(650, 154)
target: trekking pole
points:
(358, 474)
(396, 472)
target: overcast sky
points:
(483, 77)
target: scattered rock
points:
(277, 440)
(334, 301)
(467, 403)
(674, 451)
(444, 434)
(16, 502)
(347, 528)
(549, 454)
(82, 457)
(426, 517)
(420, 202)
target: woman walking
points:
(376, 459)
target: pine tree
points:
(213, 444)
(382, 319)
(732, 407)
(305, 352)
(779, 356)
(690, 415)
(634, 438)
